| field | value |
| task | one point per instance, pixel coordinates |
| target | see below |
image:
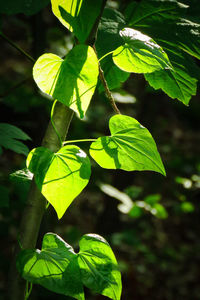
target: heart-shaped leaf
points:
(55, 267)
(140, 53)
(99, 270)
(79, 16)
(60, 176)
(130, 147)
(71, 81)
(58, 268)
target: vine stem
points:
(17, 47)
(36, 204)
(105, 84)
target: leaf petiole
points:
(28, 290)
(79, 141)
(105, 55)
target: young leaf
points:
(71, 81)
(99, 270)
(10, 136)
(55, 267)
(139, 54)
(79, 16)
(60, 176)
(130, 147)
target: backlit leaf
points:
(99, 270)
(60, 176)
(79, 16)
(140, 53)
(71, 81)
(130, 147)
(55, 267)
(180, 37)
(58, 268)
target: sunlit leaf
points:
(71, 81)
(79, 16)
(130, 147)
(55, 267)
(180, 38)
(60, 176)
(58, 268)
(140, 53)
(99, 270)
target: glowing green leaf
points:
(79, 16)
(139, 54)
(71, 81)
(130, 147)
(99, 270)
(60, 176)
(54, 267)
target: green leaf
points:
(99, 270)
(79, 16)
(130, 147)
(10, 136)
(148, 12)
(152, 199)
(159, 211)
(179, 82)
(27, 7)
(21, 182)
(140, 53)
(55, 267)
(58, 268)
(60, 176)
(108, 39)
(180, 36)
(71, 81)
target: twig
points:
(105, 84)
(17, 47)
(108, 92)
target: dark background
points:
(159, 256)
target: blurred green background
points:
(151, 222)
